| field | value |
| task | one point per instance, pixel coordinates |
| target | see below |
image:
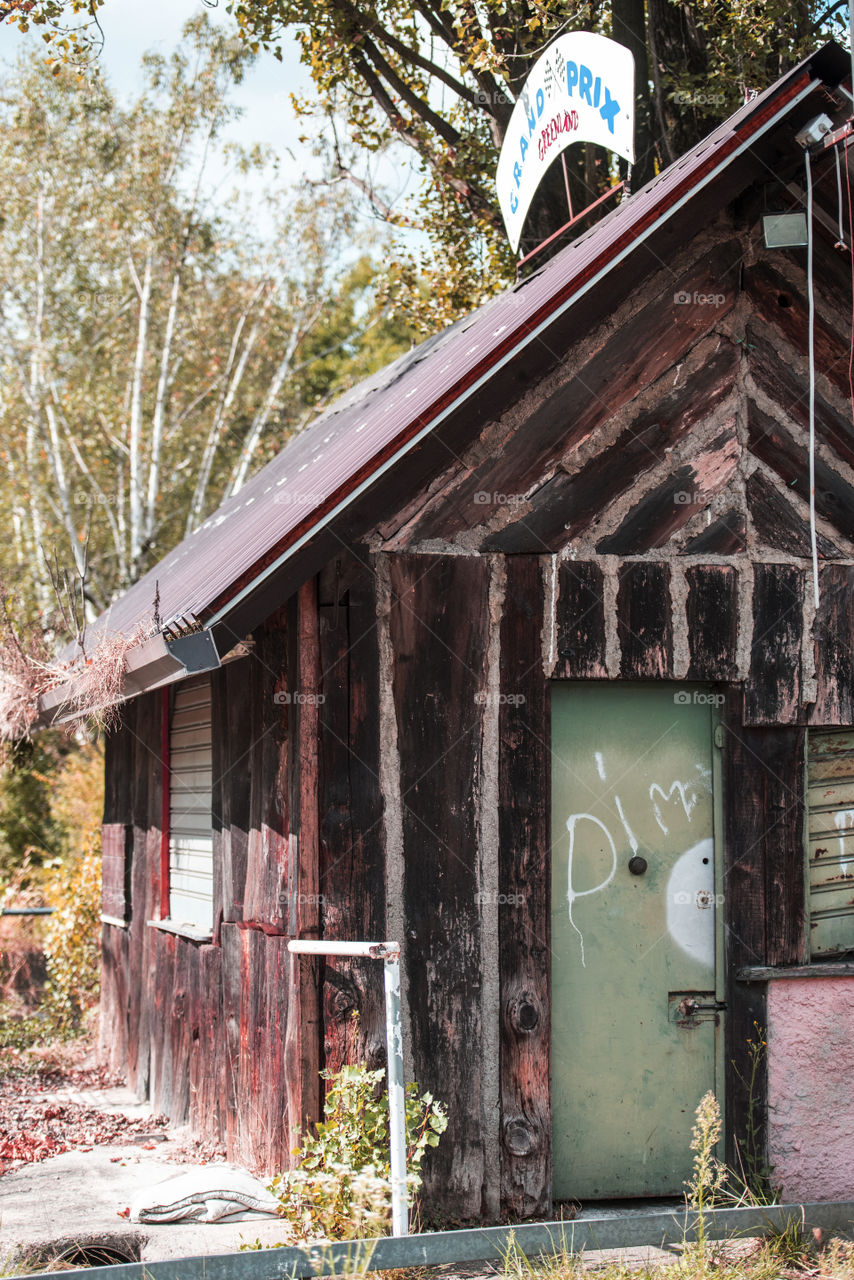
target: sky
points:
(132, 26)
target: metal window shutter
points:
(190, 817)
(830, 841)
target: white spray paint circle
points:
(691, 902)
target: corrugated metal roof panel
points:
(347, 444)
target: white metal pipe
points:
(389, 953)
(396, 1098)
(372, 950)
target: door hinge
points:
(720, 735)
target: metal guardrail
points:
(486, 1244)
(26, 911)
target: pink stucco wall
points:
(811, 1087)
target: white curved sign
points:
(582, 89)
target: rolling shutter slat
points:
(190, 819)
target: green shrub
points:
(341, 1188)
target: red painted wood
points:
(116, 847)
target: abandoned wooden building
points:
(515, 656)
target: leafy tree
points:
(440, 77)
(29, 828)
(155, 346)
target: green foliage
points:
(67, 877)
(28, 826)
(341, 1188)
(439, 79)
(72, 934)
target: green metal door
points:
(634, 935)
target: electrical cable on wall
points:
(811, 349)
(840, 243)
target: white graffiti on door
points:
(688, 792)
(690, 893)
(572, 894)
(692, 876)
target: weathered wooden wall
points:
(381, 758)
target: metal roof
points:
(332, 463)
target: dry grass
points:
(785, 1256)
(93, 681)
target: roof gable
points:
(329, 477)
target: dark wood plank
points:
(580, 622)
(778, 377)
(253, 1136)
(305, 1020)
(113, 1018)
(772, 694)
(566, 505)
(179, 1016)
(207, 1075)
(723, 537)
(780, 309)
(525, 882)
(231, 971)
(145, 719)
(770, 440)
(236, 709)
(834, 652)
(660, 512)
(439, 623)
(265, 902)
(744, 889)
(352, 879)
(164, 948)
(645, 621)
(711, 610)
(782, 761)
(778, 525)
(277, 1155)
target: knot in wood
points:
(524, 1012)
(519, 1137)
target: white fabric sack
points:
(205, 1195)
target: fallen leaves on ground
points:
(34, 1127)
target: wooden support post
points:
(303, 1041)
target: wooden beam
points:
(303, 1041)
